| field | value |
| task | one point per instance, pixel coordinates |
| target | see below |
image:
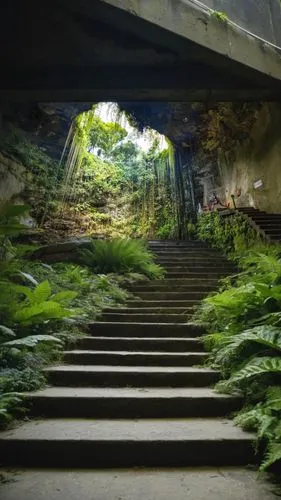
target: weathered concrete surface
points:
(257, 158)
(260, 17)
(129, 50)
(139, 484)
(189, 21)
(125, 443)
(130, 402)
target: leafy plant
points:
(122, 256)
(221, 16)
(9, 403)
(9, 227)
(264, 418)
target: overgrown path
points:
(133, 394)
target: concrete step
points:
(266, 217)
(181, 252)
(126, 443)
(272, 231)
(170, 295)
(173, 287)
(129, 358)
(177, 243)
(270, 225)
(175, 254)
(144, 402)
(191, 261)
(133, 376)
(208, 273)
(113, 330)
(140, 304)
(152, 310)
(146, 317)
(193, 483)
(175, 267)
(274, 237)
(160, 343)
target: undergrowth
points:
(243, 321)
(43, 310)
(121, 256)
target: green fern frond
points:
(273, 456)
(231, 346)
(41, 293)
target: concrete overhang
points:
(130, 50)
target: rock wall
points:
(13, 178)
(252, 172)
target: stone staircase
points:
(134, 391)
(269, 224)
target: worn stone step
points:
(181, 251)
(126, 443)
(209, 273)
(177, 243)
(129, 358)
(140, 304)
(270, 224)
(153, 310)
(260, 219)
(200, 267)
(192, 261)
(146, 317)
(188, 483)
(133, 376)
(172, 287)
(127, 343)
(144, 402)
(272, 231)
(170, 295)
(111, 329)
(187, 252)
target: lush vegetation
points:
(244, 325)
(105, 183)
(44, 308)
(121, 256)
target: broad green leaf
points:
(7, 331)
(32, 341)
(257, 367)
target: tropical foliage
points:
(244, 332)
(42, 310)
(121, 256)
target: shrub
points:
(121, 256)
(243, 322)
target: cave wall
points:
(257, 159)
(13, 178)
(261, 17)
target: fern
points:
(120, 256)
(231, 347)
(9, 403)
(41, 293)
(273, 455)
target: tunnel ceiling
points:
(94, 51)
